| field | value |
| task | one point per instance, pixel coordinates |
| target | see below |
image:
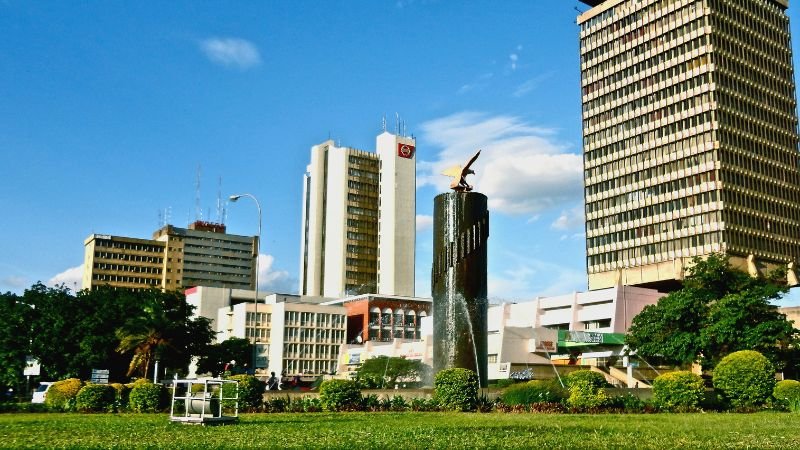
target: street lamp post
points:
(234, 198)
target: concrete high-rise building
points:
(689, 137)
(176, 258)
(359, 219)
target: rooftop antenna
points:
(219, 200)
(168, 215)
(198, 212)
(160, 219)
(396, 123)
(383, 123)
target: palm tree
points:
(147, 336)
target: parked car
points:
(41, 392)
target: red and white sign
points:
(405, 150)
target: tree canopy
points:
(217, 355)
(719, 310)
(72, 333)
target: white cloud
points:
(231, 52)
(569, 219)
(274, 280)
(14, 282)
(479, 83)
(533, 83)
(522, 168)
(424, 222)
(71, 278)
(513, 58)
(531, 278)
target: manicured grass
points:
(406, 430)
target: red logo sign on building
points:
(405, 150)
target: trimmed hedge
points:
(251, 391)
(147, 397)
(535, 391)
(456, 389)
(746, 378)
(787, 395)
(340, 395)
(595, 379)
(678, 390)
(61, 395)
(95, 398)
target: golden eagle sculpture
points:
(459, 175)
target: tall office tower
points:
(175, 259)
(359, 213)
(690, 137)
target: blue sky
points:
(108, 111)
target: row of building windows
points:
(761, 25)
(309, 319)
(746, 242)
(361, 224)
(127, 257)
(734, 141)
(362, 174)
(619, 20)
(638, 213)
(755, 201)
(598, 61)
(358, 211)
(638, 174)
(670, 131)
(367, 161)
(643, 121)
(631, 233)
(125, 279)
(361, 250)
(383, 335)
(763, 185)
(129, 246)
(634, 99)
(610, 72)
(362, 187)
(649, 154)
(365, 237)
(127, 268)
(596, 112)
(657, 252)
(628, 182)
(361, 262)
(777, 227)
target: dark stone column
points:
(458, 282)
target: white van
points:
(41, 391)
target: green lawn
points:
(406, 430)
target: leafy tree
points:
(385, 371)
(215, 356)
(165, 331)
(14, 340)
(719, 310)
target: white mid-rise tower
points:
(359, 212)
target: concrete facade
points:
(176, 258)
(352, 200)
(690, 138)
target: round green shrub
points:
(787, 395)
(251, 391)
(678, 390)
(535, 391)
(147, 397)
(596, 379)
(746, 378)
(456, 389)
(586, 395)
(340, 395)
(61, 395)
(95, 398)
